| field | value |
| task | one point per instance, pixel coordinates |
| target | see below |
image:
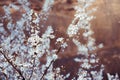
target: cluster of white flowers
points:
(22, 45)
(93, 75)
(112, 77)
(62, 42)
(82, 22)
(82, 49)
(24, 55)
(82, 19)
(41, 45)
(47, 5)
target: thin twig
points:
(2, 73)
(11, 63)
(47, 69)
(49, 65)
(32, 69)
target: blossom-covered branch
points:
(13, 65)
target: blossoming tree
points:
(24, 42)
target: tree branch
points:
(49, 65)
(32, 68)
(11, 63)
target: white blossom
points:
(82, 49)
(112, 77)
(23, 46)
(47, 5)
